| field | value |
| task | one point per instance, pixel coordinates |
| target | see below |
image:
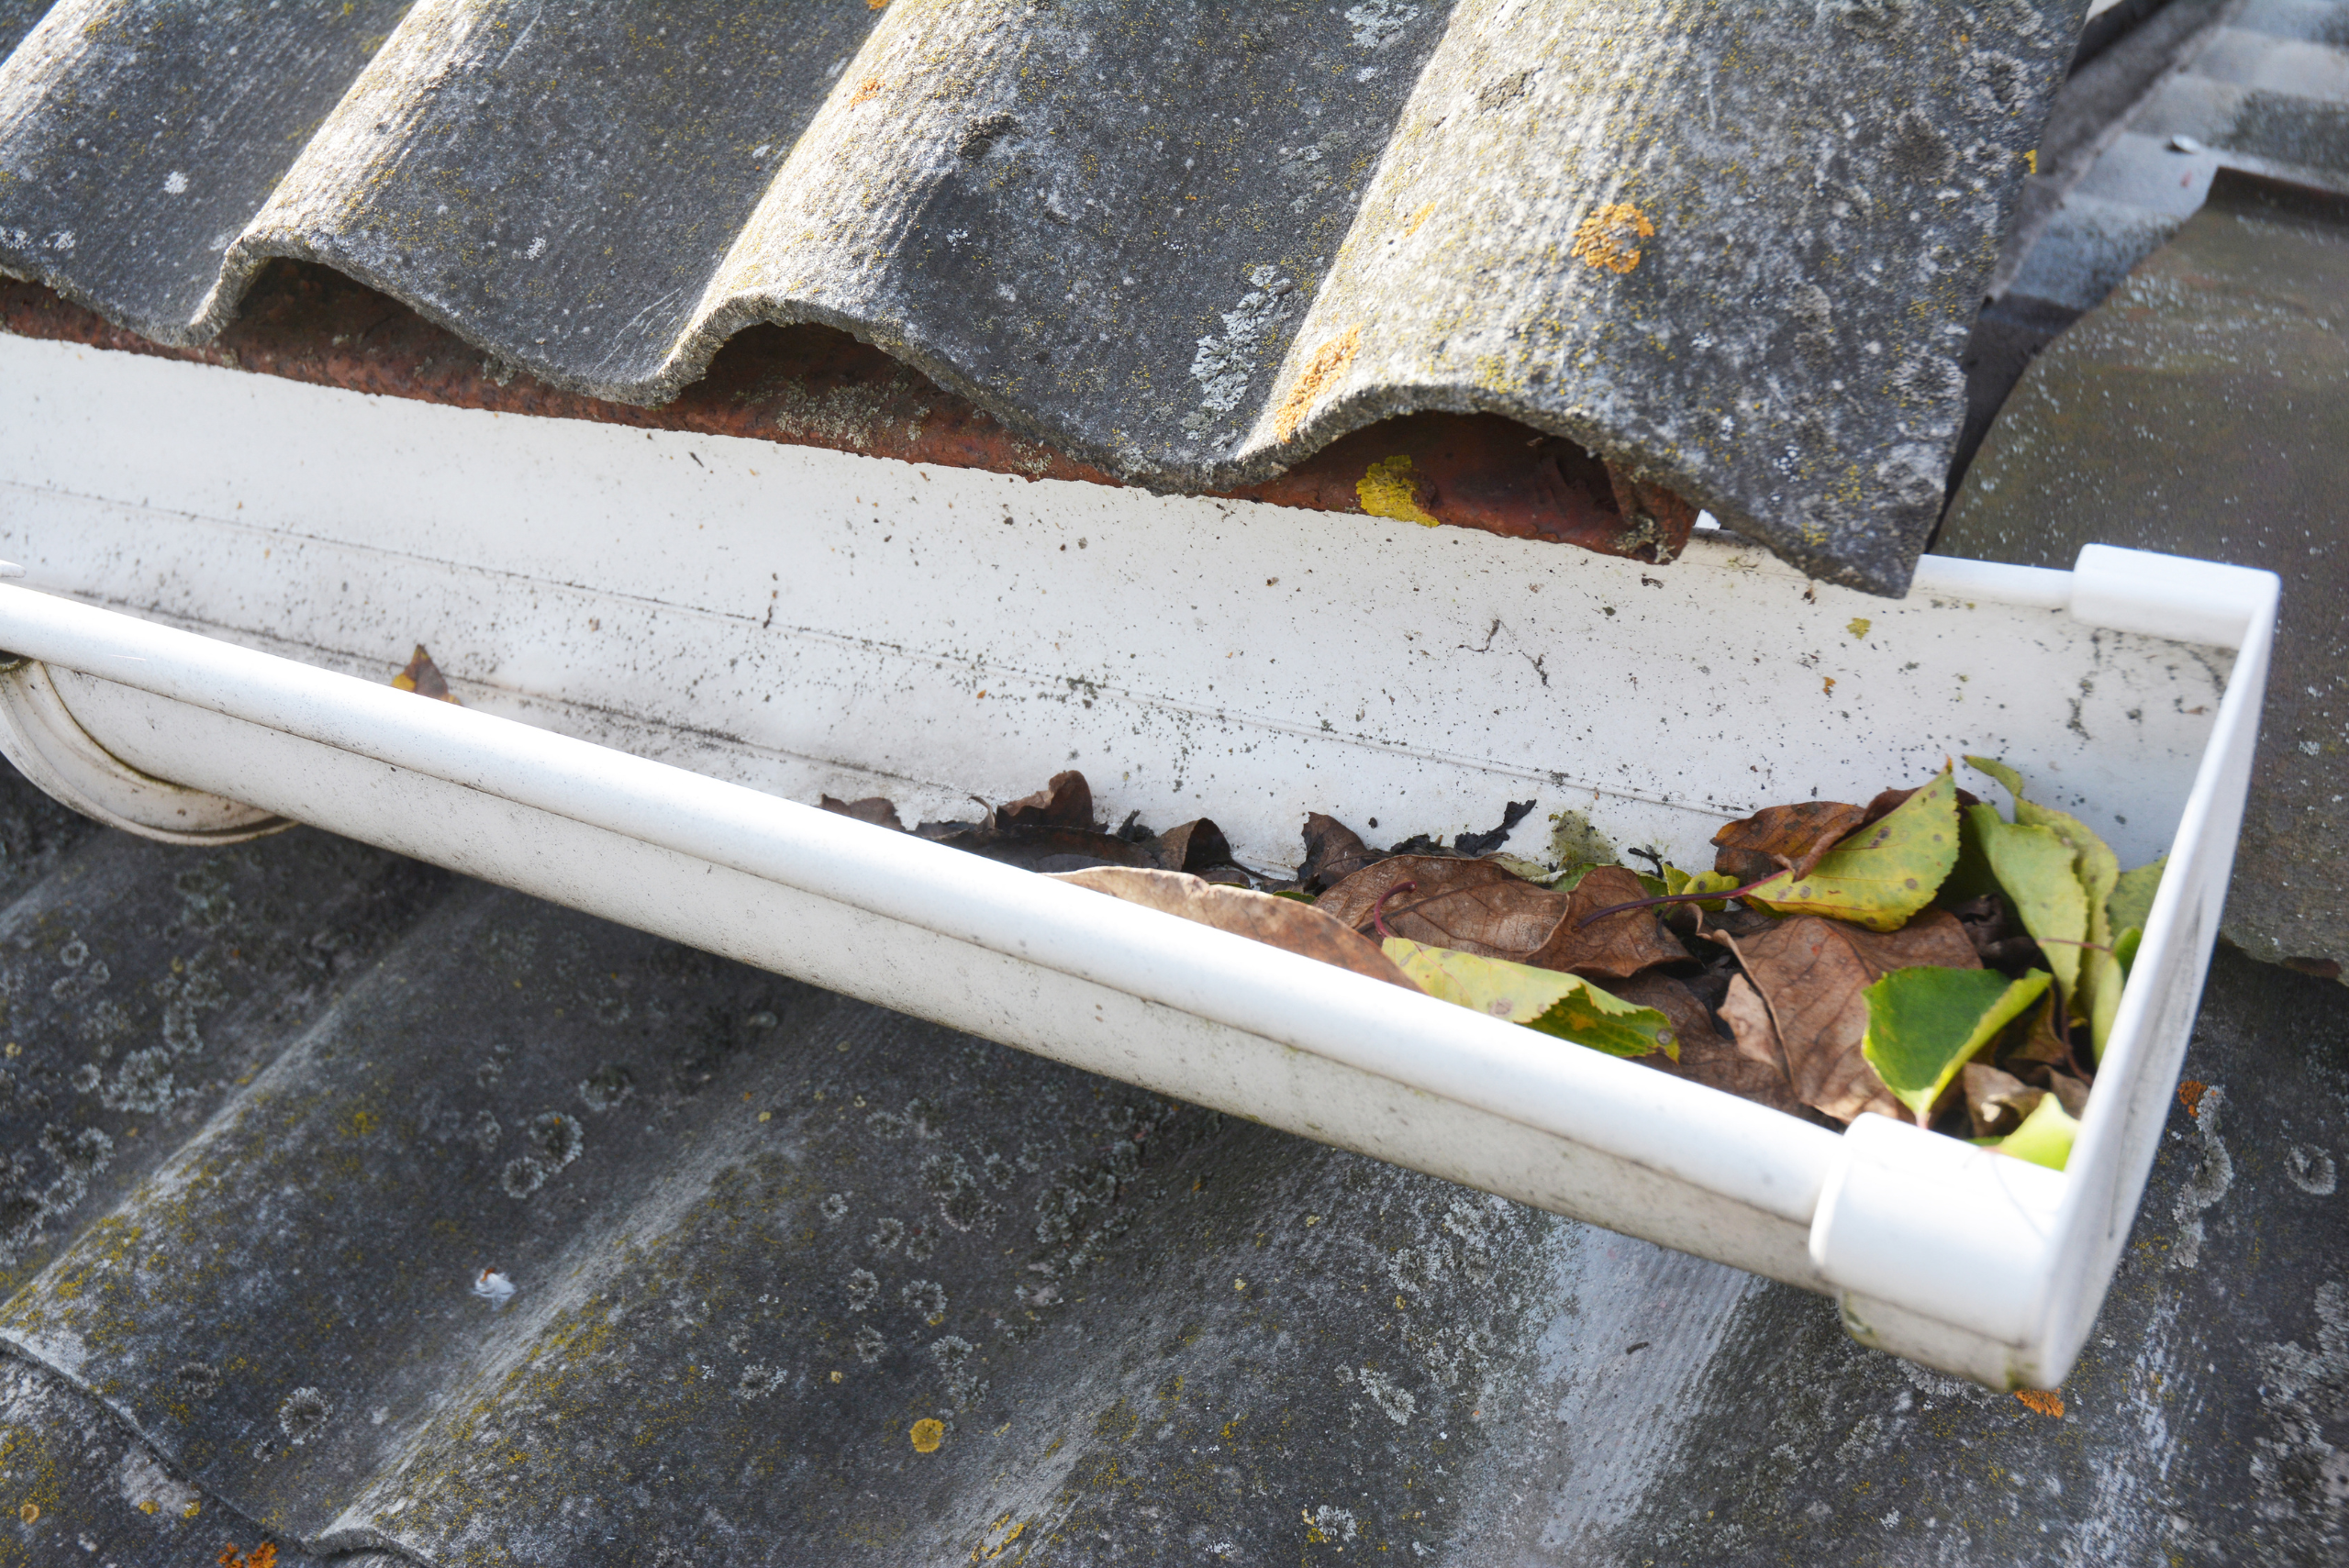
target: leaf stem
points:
(1378, 910)
(1677, 898)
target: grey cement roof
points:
(273, 1109)
(1734, 250)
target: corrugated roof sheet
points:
(1735, 250)
(278, 1106)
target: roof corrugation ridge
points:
(756, 1232)
(976, 184)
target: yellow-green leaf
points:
(2044, 1139)
(2035, 871)
(1677, 881)
(1884, 872)
(1555, 1003)
(1926, 1023)
(2131, 903)
(2096, 997)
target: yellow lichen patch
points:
(1610, 237)
(1388, 489)
(868, 88)
(1417, 218)
(2048, 1402)
(30, 1513)
(927, 1434)
(1858, 626)
(1328, 363)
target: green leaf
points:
(2096, 997)
(2124, 947)
(1884, 872)
(1924, 1024)
(2034, 870)
(1555, 1003)
(2131, 903)
(2044, 1139)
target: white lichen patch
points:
(1377, 22)
(146, 1486)
(1389, 1395)
(2211, 1180)
(1225, 365)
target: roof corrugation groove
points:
(1734, 250)
(271, 1110)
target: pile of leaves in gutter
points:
(1921, 956)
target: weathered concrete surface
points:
(1187, 244)
(303, 1094)
(2199, 411)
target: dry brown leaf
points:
(1066, 802)
(1193, 847)
(1333, 852)
(1811, 972)
(2040, 1041)
(879, 811)
(1280, 922)
(2069, 1092)
(1781, 837)
(1478, 907)
(1705, 1057)
(423, 677)
(1997, 1102)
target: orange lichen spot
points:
(982, 1552)
(876, 4)
(1829, 689)
(2189, 1095)
(2048, 1402)
(1327, 363)
(1389, 489)
(261, 1556)
(927, 1434)
(1610, 237)
(868, 88)
(1417, 218)
(28, 1513)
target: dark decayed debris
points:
(1920, 957)
(1181, 245)
(1188, 1335)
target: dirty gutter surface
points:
(1183, 253)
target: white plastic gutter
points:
(1941, 1251)
(1397, 1051)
